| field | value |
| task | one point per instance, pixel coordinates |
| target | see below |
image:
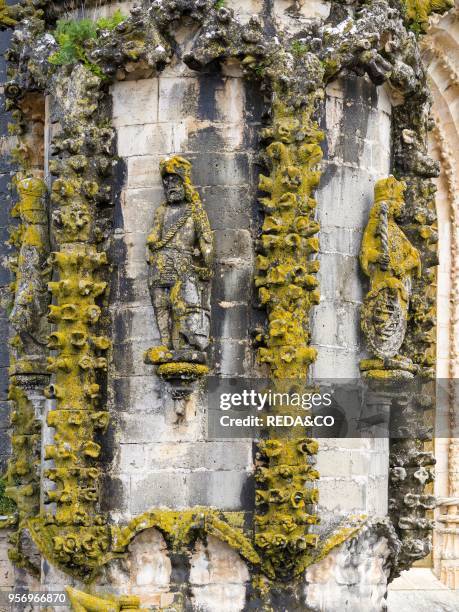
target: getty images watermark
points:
(271, 400)
(239, 407)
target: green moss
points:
(417, 12)
(7, 506)
(73, 36)
(298, 48)
(219, 4)
(6, 15)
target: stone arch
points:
(441, 57)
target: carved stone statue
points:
(180, 253)
(391, 262)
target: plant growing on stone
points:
(298, 48)
(7, 506)
(73, 37)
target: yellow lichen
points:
(182, 369)
(419, 11)
(285, 277)
(391, 262)
(288, 288)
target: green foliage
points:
(72, 36)
(416, 28)
(219, 4)
(110, 23)
(7, 506)
(260, 69)
(298, 48)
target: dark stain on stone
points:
(356, 116)
(207, 98)
(113, 495)
(119, 179)
(248, 494)
(328, 173)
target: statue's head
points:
(391, 190)
(175, 172)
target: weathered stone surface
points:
(216, 119)
(217, 574)
(215, 455)
(135, 110)
(354, 580)
(226, 490)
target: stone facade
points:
(155, 458)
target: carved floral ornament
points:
(372, 38)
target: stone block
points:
(337, 324)
(340, 278)
(143, 171)
(380, 160)
(341, 494)
(221, 137)
(163, 426)
(210, 455)
(129, 284)
(234, 244)
(347, 443)
(6, 571)
(4, 382)
(227, 207)
(5, 410)
(132, 457)
(136, 322)
(177, 98)
(223, 490)
(232, 282)
(135, 102)
(128, 356)
(229, 320)
(336, 363)
(137, 394)
(210, 168)
(334, 463)
(115, 493)
(230, 99)
(345, 197)
(138, 208)
(377, 496)
(230, 357)
(150, 139)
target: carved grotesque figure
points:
(180, 253)
(391, 262)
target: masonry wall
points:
(214, 120)
(353, 472)
(154, 457)
(161, 458)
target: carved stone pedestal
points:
(178, 368)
